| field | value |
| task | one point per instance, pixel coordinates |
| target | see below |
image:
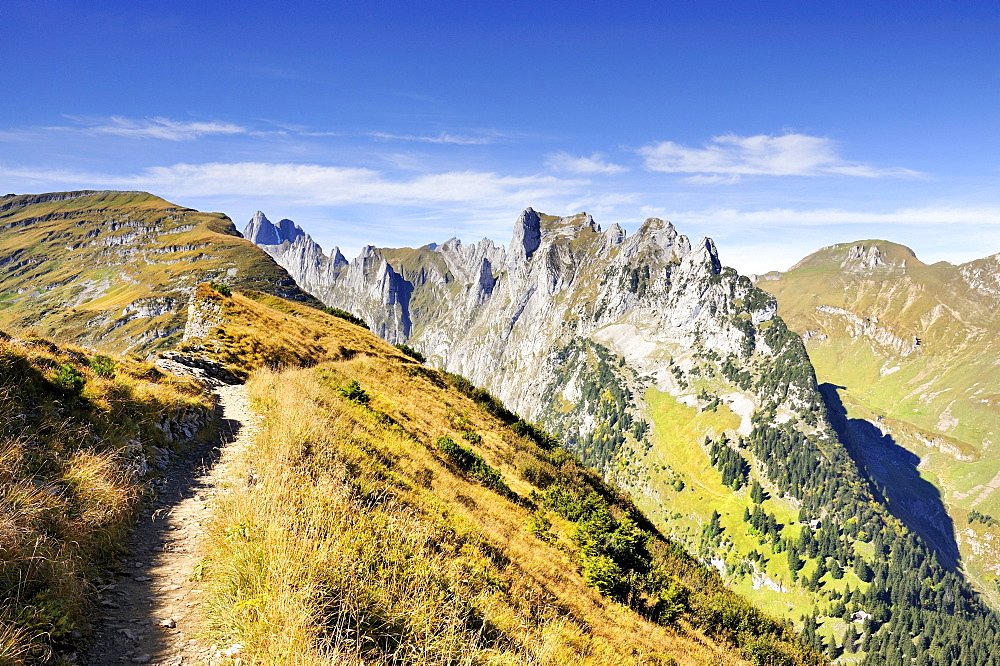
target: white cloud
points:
(562, 161)
(164, 128)
(442, 138)
(930, 216)
(728, 157)
(336, 186)
(318, 185)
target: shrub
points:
(70, 378)
(103, 366)
(346, 316)
(412, 353)
(540, 526)
(535, 433)
(673, 602)
(221, 288)
(354, 392)
(473, 464)
(601, 572)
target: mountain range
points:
(643, 353)
(913, 352)
(775, 438)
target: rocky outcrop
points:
(983, 275)
(869, 327)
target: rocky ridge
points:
(562, 309)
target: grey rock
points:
(502, 316)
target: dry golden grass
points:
(68, 488)
(263, 331)
(360, 541)
(337, 554)
(89, 260)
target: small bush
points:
(540, 526)
(103, 366)
(69, 378)
(535, 433)
(354, 392)
(537, 474)
(346, 316)
(221, 288)
(412, 353)
(473, 464)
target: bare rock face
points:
(563, 306)
(260, 231)
(527, 236)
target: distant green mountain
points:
(114, 269)
(913, 351)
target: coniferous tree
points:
(850, 639)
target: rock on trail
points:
(150, 610)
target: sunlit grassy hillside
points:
(391, 513)
(77, 431)
(114, 269)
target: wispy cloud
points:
(442, 138)
(159, 128)
(929, 216)
(318, 185)
(563, 161)
(728, 157)
(332, 185)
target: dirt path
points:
(150, 613)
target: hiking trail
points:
(150, 612)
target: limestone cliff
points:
(568, 321)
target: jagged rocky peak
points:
(337, 258)
(527, 236)
(615, 234)
(657, 240)
(288, 231)
(704, 252)
(261, 231)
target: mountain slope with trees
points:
(912, 352)
(651, 360)
(397, 512)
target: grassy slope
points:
(70, 439)
(945, 391)
(113, 269)
(358, 541)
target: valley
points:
(637, 365)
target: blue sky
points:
(775, 128)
